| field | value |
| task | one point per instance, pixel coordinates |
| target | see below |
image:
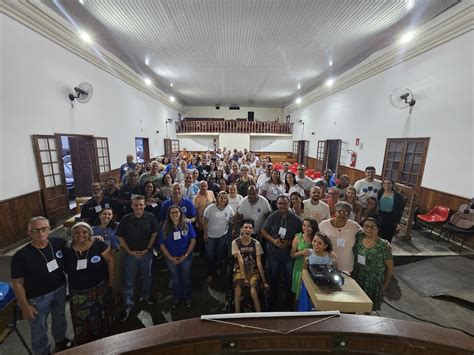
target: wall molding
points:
(453, 23)
(42, 20)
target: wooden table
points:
(348, 298)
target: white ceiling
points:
(246, 52)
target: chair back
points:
(441, 211)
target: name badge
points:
(361, 259)
(81, 264)
(98, 208)
(341, 242)
(52, 265)
(282, 232)
(176, 235)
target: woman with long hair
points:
(391, 205)
(297, 205)
(244, 181)
(300, 249)
(351, 198)
(177, 240)
(273, 188)
(291, 185)
(89, 264)
(152, 202)
(167, 185)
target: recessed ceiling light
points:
(299, 86)
(147, 81)
(81, 2)
(330, 63)
(147, 61)
(298, 100)
(85, 37)
(172, 99)
(407, 37)
(171, 84)
(410, 4)
(330, 82)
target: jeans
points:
(181, 278)
(215, 247)
(274, 268)
(51, 302)
(130, 265)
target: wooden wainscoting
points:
(427, 199)
(277, 157)
(114, 173)
(16, 213)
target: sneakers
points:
(150, 300)
(174, 303)
(123, 316)
(63, 345)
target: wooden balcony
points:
(233, 126)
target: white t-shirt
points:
(295, 188)
(235, 202)
(366, 189)
(343, 240)
(217, 220)
(319, 212)
(262, 180)
(272, 191)
(256, 212)
(306, 183)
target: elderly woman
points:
(391, 205)
(177, 240)
(216, 220)
(89, 264)
(373, 266)
(342, 232)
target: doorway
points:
(142, 150)
(328, 155)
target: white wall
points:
(238, 141)
(271, 144)
(261, 113)
(36, 76)
(197, 143)
(442, 82)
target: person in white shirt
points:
(252, 207)
(234, 197)
(263, 178)
(368, 187)
(272, 189)
(305, 182)
(342, 232)
(216, 219)
(291, 185)
(314, 208)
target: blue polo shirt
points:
(186, 205)
(177, 245)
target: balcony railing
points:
(233, 126)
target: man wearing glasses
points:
(40, 286)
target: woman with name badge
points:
(177, 240)
(89, 264)
(216, 220)
(342, 232)
(373, 265)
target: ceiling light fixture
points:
(298, 100)
(330, 63)
(147, 61)
(171, 84)
(147, 81)
(85, 37)
(407, 37)
(172, 98)
(330, 82)
(410, 4)
(299, 86)
(81, 2)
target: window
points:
(103, 156)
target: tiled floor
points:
(211, 299)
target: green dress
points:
(371, 275)
(298, 265)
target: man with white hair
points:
(40, 286)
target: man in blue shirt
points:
(177, 198)
(129, 165)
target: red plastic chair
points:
(438, 214)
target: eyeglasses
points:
(343, 211)
(370, 226)
(39, 230)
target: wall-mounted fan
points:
(84, 93)
(402, 98)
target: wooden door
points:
(321, 156)
(83, 160)
(171, 146)
(333, 155)
(49, 166)
(102, 157)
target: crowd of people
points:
(273, 220)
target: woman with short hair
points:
(391, 206)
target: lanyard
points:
(87, 254)
(44, 257)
